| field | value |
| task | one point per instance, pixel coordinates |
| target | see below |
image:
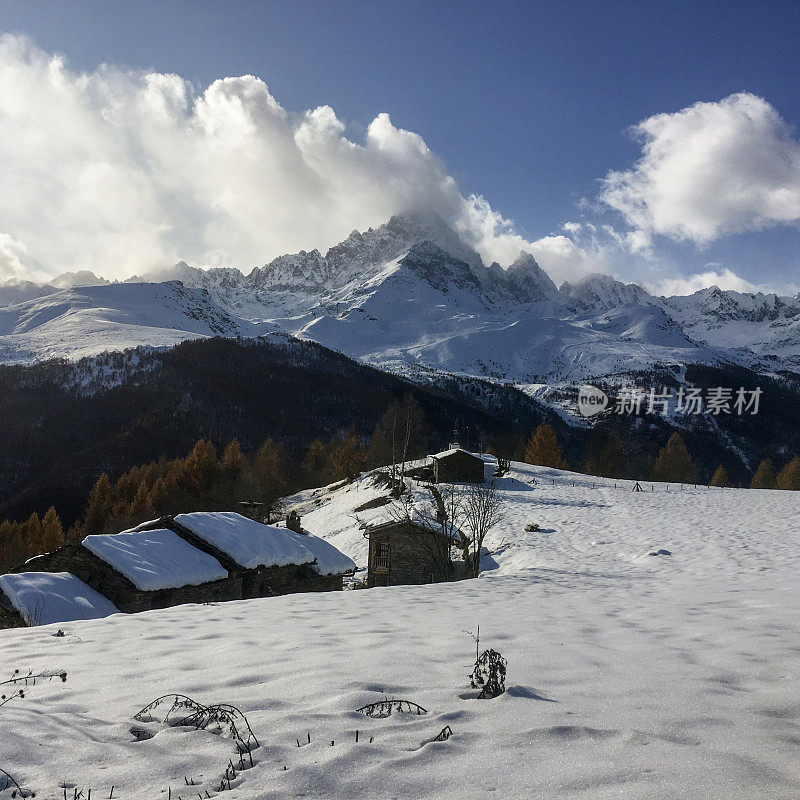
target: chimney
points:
(293, 522)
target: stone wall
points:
(458, 467)
(417, 555)
(103, 578)
(9, 616)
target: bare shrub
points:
(481, 512)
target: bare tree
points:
(400, 433)
(446, 517)
(408, 420)
(433, 529)
(481, 510)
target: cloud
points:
(723, 278)
(11, 254)
(709, 170)
(122, 172)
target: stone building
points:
(457, 466)
(201, 557)
(404, 552)
(267, 559)
(131, 572)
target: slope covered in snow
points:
(89, 320)
(629, 674)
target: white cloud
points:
(11, 254)
(122, 172)
(709, 170)
(723, 278)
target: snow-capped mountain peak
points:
(300, 271)
(599, 292)
(83, 277)
(528, 282)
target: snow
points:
(629, 676)
(328, 560)
(46, 597)
(452, 451)
(250, 544)
(157, 559)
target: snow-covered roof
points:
(453, 451)
(329, 560)
(157, 559)
(45, 597)
(250, 544)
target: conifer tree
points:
(52, 532)
(158, 499)
(789, 476)
(32, 535)
(140, 508)
(316, 464)
(674, 464)
(764, 476)
(720, 477)
(608, 460)
(200, 470)
(544, 450)
(232, 468)
(98, 507)
(233, 463)
(268, 479)
(347, 457)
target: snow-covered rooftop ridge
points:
(328, 559)
(46, 597)
(249, 543)
(453, 451)
(157, 559)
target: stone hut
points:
(141, 571)
(266, 559)
(404, 552)
(201, 557)
(457, 466)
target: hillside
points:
(70, 422)
(670, 676)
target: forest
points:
(99, 445)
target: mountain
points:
(598, 292)
(84, 321)
(15, 291)
(411, 297)
(83, 277)
(68, 422)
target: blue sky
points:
(527, 104)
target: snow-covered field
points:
(629, 675)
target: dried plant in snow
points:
(489, 674)
(223, 719)
(385, 708)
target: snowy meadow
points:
(630, 675)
